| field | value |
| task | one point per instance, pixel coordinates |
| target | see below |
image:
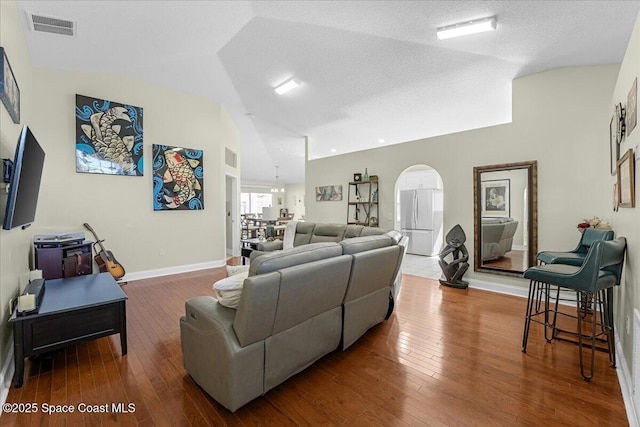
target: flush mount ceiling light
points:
(287, 86)
(466, 28)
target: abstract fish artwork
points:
(108, 137)
(177, 178)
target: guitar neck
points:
(98, 241)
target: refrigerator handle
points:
(415, 209)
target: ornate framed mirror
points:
(505, 217)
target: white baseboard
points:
(6, 375)
(518, 291)
(626, 384)
(138, 275)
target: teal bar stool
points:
(575, 257)
(595, 278)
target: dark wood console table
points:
(73, 310)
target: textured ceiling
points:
(370, 70)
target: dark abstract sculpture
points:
(454, 270)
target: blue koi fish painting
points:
(108, 137)
(177, 178)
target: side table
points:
(72, 310)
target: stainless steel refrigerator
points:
(417, 220)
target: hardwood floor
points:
(446, 357)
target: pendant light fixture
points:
(277, 188)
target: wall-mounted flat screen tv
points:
(24, 185)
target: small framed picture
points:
(357, 177)
(495, 198)
(9, 91)
(632, 106)
(625, 183)
(614, 148)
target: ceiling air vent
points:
(49, 24)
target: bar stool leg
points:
(531, 303)
(608, 324)
(580, 310)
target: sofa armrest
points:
(274, 245)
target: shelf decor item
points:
(373, 178)
(9, 91)
(366, 174)
(626, 186)
(357, 177)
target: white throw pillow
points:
(289, 234)
(232, 270)
(229, 290)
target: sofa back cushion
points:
(309, 290)
(328, 233)
(304, 231)
(353, 230)
(373, 231)
(288, 257)
(366, 243)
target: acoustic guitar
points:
(104, 258)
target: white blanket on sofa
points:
(289, 235)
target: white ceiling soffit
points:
(369, 70)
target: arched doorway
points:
(419, 212)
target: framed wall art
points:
(495, 198)
(632, 106)
(329, 193)
(9, 91)
(620, 122)
(625, 183)
(178, 178)
(108, 137)
(614, 148)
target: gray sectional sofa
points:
(297, 305)
(497, 237)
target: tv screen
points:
(25, 182)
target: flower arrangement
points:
(593, 222)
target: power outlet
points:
(161, 252)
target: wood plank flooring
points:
(446, 357)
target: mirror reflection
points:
(505, 218)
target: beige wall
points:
(626, 221)
(118, 207)
(14, 245)
(557, 120)
(294, 200)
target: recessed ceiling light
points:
(333, 150)
(466, 28)
(381, 141)
(287, 86)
